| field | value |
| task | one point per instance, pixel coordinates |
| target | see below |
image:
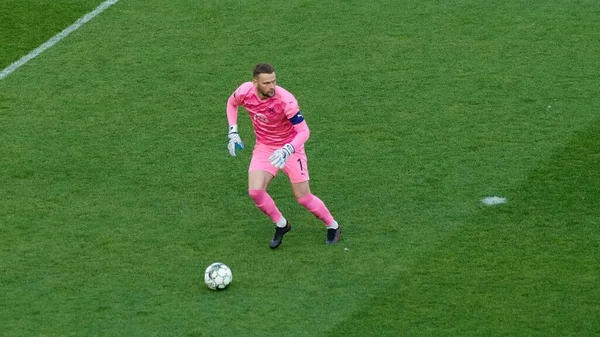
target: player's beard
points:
(269, 93)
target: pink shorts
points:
(295, 168)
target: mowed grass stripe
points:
(530, 267)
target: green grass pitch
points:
(116, 188)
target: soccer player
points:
(281, 132)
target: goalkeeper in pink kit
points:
(281, 132)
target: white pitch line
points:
(56, 38)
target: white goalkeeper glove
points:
(234, 140)
(279, 157)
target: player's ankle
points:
(333, 225)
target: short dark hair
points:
(263, 68)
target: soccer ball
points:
(217, 276)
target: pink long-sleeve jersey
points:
(277, 120)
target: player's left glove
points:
(279, 157)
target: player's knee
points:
(257, 195)
(301, 190)
(304, 199)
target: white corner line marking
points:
(56, 38)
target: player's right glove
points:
(234, 140)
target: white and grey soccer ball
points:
(218, 276)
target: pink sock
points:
(316, 207)
(265, 203)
